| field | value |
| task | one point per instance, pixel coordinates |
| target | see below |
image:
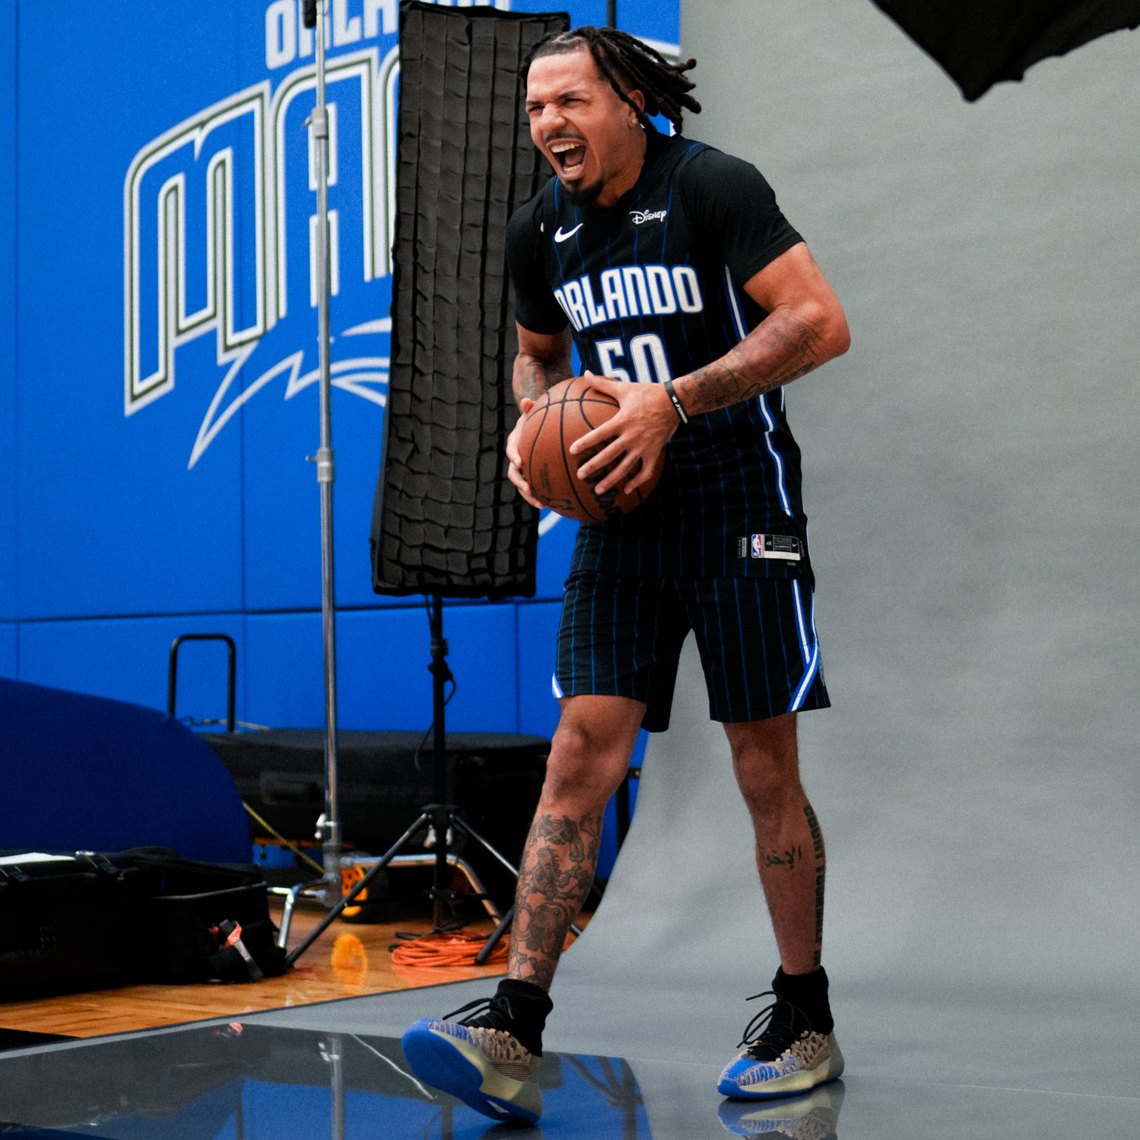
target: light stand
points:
(442, 812)
(327, 888)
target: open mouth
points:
(569, 155)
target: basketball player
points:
(667, 263)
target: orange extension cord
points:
(432, 951)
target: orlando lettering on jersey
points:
(631, 291)
(653, 287)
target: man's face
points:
(587, 133)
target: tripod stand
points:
(440, 817)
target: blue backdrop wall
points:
(158, 367)
(8, 562)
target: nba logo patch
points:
(783, 547)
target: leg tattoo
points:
(557, 870)
(820, 872)
(790, 857)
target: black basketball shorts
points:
(757, 638)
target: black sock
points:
(529, 1005)
(808, 992)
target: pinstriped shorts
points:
(757, 638)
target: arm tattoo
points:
(780, 349)
(557, 870)
(534, 376)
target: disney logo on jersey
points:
(641, 216)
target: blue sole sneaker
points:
(806, 1062)
(485, 1068)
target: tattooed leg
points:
(588, 759)
(558, 868)
(789, 844)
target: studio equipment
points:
(982, 42)
(327, 888)
(446, 521)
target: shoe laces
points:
(486, 1013)
(775, 1028)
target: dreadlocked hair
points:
(628, 65)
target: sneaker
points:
(810, 1116)
(478, 1060)
(782, 1055)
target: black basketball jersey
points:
(652, 289)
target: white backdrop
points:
(970, 476)
(971, 479)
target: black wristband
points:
(671, 393)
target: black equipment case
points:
(144, 914)
(64, 920)
(193, 915)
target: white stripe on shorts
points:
(812, 664)
(805, 651)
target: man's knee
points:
(765, 759)
(591, 747)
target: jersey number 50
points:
(646, 354)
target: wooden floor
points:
(348, 960)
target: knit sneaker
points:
(811, 1116)
(783, 1054)
(478, 1060)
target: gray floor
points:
(257, 1082)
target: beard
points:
(583, 195)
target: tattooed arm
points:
(542, 361)
(805, 328)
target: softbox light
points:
(982, 42)
(446, 521)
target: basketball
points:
(564, 414)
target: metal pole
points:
(332, 1051)
(611, 13)
(326, 473)
(441, 809)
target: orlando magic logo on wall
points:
(163, 360)
(220, 227)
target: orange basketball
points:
(566, 413)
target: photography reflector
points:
(446, 521)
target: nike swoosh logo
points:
(560, 236)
